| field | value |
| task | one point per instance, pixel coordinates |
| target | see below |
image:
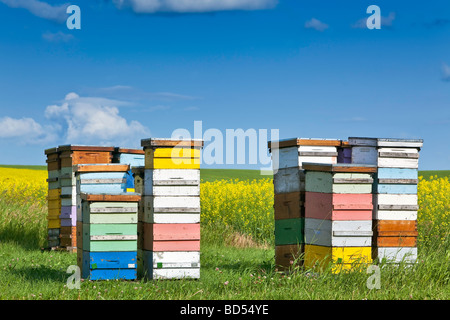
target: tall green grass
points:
(233, 266)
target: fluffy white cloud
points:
(89, 120)
(40, 9)
(26, 130)
(185, 6)
(316, 24)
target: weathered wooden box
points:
(172, 182)
(289, 231)
(289, 205)
(169, 236)
(339, 259)
(108, 265)
(170, 209)
(289, 256)
(293, 152)
(76, 154)
(169, 265)
(342, 206)
(353, 233)
(395, 233)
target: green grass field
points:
(227, 271)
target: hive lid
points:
(385, 142)
(69, 147)
(293, 142)
(125, 150)
(119, 197)
(166, 142)
(339, 167)
(51, 150)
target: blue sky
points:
(138, 69)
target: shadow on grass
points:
(27, 239)
(41, 273)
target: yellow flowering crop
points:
(434, 208)
(245, 206)
(23, 185)
(242, 205)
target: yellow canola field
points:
(23, 185)
(245, 206)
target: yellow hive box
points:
(54, 194)
(342, 258)
(54, 204)
(54, 213)
(54, 223)
(172, 158)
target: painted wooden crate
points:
(68, 237)
(324, 232)
(108, 265)
(170, 209)
(338, 182)
(289, 256)
(101, 178)
(343, 206)
(53, 161)
(76, 154)
(69, 213)
(53, 239)
(339, 259)
(395, 206)
(132, 157)
(289, 205)
(139, 177)
(108, 211)
(386, 152)
(169, 236)
(53, 183)
(293, 152)
(395, 255)
(395, 233)
(172, 182)
(396, 181)
(289, 180)
(344, 153)
(169, 265)
(105, 237)
(289, 231)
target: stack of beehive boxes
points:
(394, 194)
(71, 155)
(54, 197)
(338, 215)
(132, 157)
(289, 189)
(107, 238)
(169, 221)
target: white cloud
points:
(94, 120)
(186, 6)
(316, 24)
(57, 37)
(26, 130)
(40, 9)
(445, 72)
